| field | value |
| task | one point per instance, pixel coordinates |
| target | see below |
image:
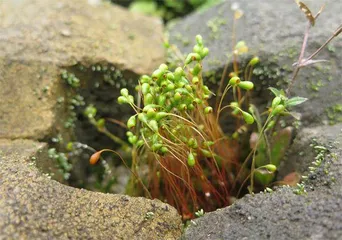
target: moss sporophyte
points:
(175, 133)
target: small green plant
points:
(175, 132)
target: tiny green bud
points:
(197, 101)
(124, 92)
(191, 160)
(157, 74)
(208, 110)
(160, 115)
(177, 96)
(148, 99)
(170, 87)
(151, 113)
(195, 80)
(276, 101)
(197, 49)
(254, 61)
(163, 150)
(170, 76)
(161, 100)
(129, 134)
(270, 167)
(247, 117)
(207, 144)
(140, 143)
(163, 67)
(122, 100)
(206, 153)
(182, 107)
(206, 90)
(145, 88)
(133, 139)
(278, 109)
(130, 99)
(145, 79)
(191, 106)
(154, 125)
(179, 72)
(270, 125)
(156, 147)
(247, 85)
(199, 40)
(192, 57)
(90, 111)
(234, 81)
(196, 70)
(100, 123)
(142, 117)
(204, 53)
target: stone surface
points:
(39, 38)
(273, 30)
(283, 214)
(32, 206)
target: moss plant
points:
(174, 132)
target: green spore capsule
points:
(278, 109)
(179, 72)
(170, 87)
(148, 99)
(145, 88)
(208, 110)
(160, 115)
(276, 101)
(247, 117)
(234, 81)
(195, 80)
(191, 160)
(131, 122)
(161, 100)
(145, 79)
(142, 117)
(270, 167)
(157, 74)
(247, 85)
(199, 40)
(163, 150)
(151, 113)
(153, 125)
(170, 76)
(124, 92)
(156, 147)
(163, 67)
(122, 100)
(197, 49)
(204, 52)
(139, 143)
(197, 69)
(254, 61)
(133, 139)
(192, 57)
(177, 96)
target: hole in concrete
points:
(99, 85)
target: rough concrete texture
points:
(39, 38)
(273, 30)
(283, 214)
(32, 206)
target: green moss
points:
(214, 25)
(334, 114)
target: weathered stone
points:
(32, 206)
(273, 30)
(283, 214)
(39, 38)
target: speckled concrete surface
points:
(32, 206)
